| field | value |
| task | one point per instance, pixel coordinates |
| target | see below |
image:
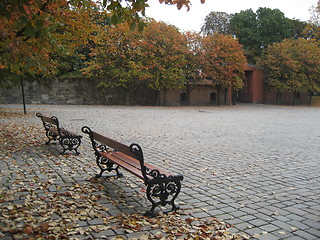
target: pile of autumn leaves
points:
(29, 210)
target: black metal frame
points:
(67, 141)
(161, 189)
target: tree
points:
(29, 23)
(117, 59)
(216, 22)
(193, 60)
(273, 26)
(257, 30)
(315, 14)
(164, 56)
(244, 26)
(34, 32)
(77, 36)
(294, 65)
(155, 57)
(297, 28)
(312, 29)
(223, 62)
(27, 39)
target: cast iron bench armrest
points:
(67, 139)
(162, 186)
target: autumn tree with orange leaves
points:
(164, 56)
(116, 59)
(31, 36)
(223, 62)
(34, 33)
(28, 28)
(125, 59)
(293, 65)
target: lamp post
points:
(22, 89)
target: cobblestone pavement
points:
(256, 167)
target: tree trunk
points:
(188, 94)
(128, 99)
(158, 97)
(309, 97)
(294, 98)
(218, 95)
(278, 96)
(225, 96)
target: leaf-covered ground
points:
(36, 204)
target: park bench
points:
(67, 139)
(162, 186)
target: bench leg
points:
(163, 193)
(106, 165)
(70, 143)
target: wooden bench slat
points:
(49, 120)
(136, 163)
(123, 164)
(112, 144)
(130, 160)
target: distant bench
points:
(67, 139)
(162, 186)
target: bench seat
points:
(162, 186)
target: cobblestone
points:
(254, 165)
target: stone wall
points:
(75, 91)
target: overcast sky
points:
(194, 18)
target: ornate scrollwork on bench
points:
(68, 140)
(162, 191)
(162, 187)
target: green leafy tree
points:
(294, 65)
(216, 22)
(244, 26)
(257, 30)
(312, 29)
(297, 28)
(223, 62)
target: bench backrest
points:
(133, 150)
(112, 144)
(48, 122)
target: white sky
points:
(194, 18)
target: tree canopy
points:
(223, 61)
(33, 32)
(256, 30)
(160, 57)
(294, 65)
(216, 22)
